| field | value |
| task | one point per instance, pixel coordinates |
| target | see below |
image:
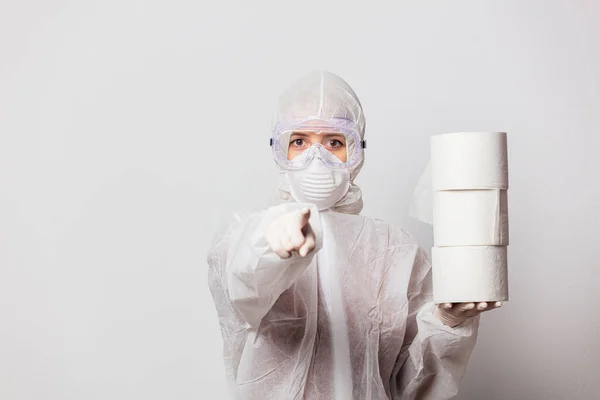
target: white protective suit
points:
(351, 320)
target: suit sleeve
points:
(253, 275)
(434, 356)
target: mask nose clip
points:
(318, 152)
(315, 152)
(319, 149)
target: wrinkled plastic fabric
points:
(351, 320)
(322, 94)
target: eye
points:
(335, 144)
(297, 142)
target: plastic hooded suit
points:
(351, 320)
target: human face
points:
(333, 142)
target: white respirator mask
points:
(318, 183)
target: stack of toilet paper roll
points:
(470, 217)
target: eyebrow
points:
(333, 135)
(301, 134)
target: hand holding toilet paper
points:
(468, 177)
(455, 314)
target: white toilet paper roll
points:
(470, 218)
(469, 274)
(469, 160)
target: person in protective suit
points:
(318, 302)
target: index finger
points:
(304, 217)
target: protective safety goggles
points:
(295, 145)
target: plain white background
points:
(129, 130)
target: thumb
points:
(308, 245)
